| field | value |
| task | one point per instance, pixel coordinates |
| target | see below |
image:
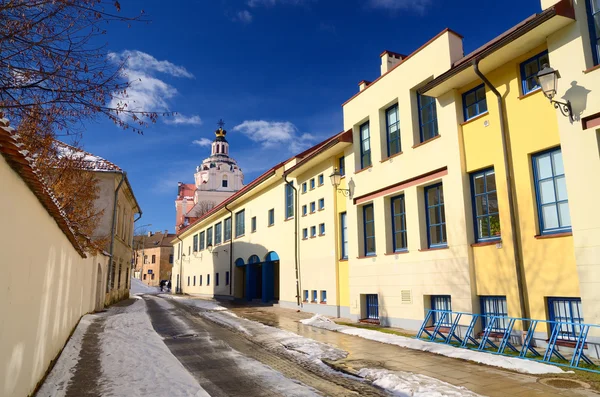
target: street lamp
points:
(336, 179)
(547, 78)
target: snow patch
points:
(514, 364)
(205, 304)
(138, 287)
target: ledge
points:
(434, 249)
(554, 235)
(396, 253)
(390, 157)
(530, 93)
(343, 260)
(366, 256)
(321, 234)
(485, 243)
(485, 114)
(427, 141)
(240, 236)
(271, 225)
(363, 169)
(321, 209)
(323, 303)
(313, 236)
(288, 219)
(591, 69)
(304, 238)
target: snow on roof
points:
(87, 161)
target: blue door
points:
(372, 307)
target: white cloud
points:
(243, 16)
(417, 5)
(140, 61)
(202, 142)
(181, 119)
(272, 134)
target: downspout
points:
(112, 231)
(230, 253)
(296, 248)
(511, 205)
(180, 281)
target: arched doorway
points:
(271, 277)
(239, 278)
(99, 291)
(254, 284)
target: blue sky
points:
(277, 72)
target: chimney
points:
(166, 231)
(390, 59)
(149, 234)
(363, 84)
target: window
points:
(399, 239)
(218, 233)
(323, 296)
(253, 224)
(202, 241)
(474, 102)
(224, 182)
(436, 217)
(314, 296)
(428, 127)
(305, 233)
(529, 70)
(593, 11)
(365, 146)
(551, 192)
(312, 207)
(372, 301)
(321, 204)
(441, 302)
(321, 229)
(566, 310)
(304, 210)
(226, 278)
(393, 131)
(119, 277)
(200, 281)
(188, 281)
(240, 226)
(494, 306)
(194, 281)
(171, 258)
(209, 236)
(313, 231)
(369, 229)
(342, 166)
(152, 276)
(485, 205)
(189, 250)
(289, 201)
(312, 184)
(271, 217)
(304, 187)
(344, 235)
(145, 259)
(153, 258)
(195, 243)
(227, 227)
(321, 180)
(208, 279)
(216, 279)
(145, 276)
(305, 295)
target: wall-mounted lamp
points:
(336, 179)
(210, 249)
(547, 78)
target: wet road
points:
(228, 363)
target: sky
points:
(276, 71)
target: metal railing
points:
(497, 337)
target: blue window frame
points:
(494, 306)
(195, 242)
(393, 130)
(312, 207)
(312, 184)
(321, 203)
(474, 102)
(551, 192)
(567, 314)
(305, 233)
(441, 302)
(399, 238)
(289, 201)
(305, 295)
(593, 16)
(271, 217)
(372, 301)
(436, 217)
(304, 187)
(323, 296)
(209, 236)
(321, 179)
(304, 210)
(342, 166)
(314, 295)
(369, 229)
(428, 126)
(253, 224)
(240, 223)
(530, 69)
(208, 279)
(485, 205)
(216, 279)
(313, 231)
(365, 146)
(322, 229)
(202, 241)
(344, 235)
(218, 233)
(226, 278)
(227, 231)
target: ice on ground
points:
(58, 379)
(514, 364)
(407, 384)
(200, 303)
(138, 287)
(136, 362)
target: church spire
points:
(220, 132)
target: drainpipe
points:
(180, 281)
(112, 230)
(509, 184)
(230, 252)
(296, 248)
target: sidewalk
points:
(364, 353)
